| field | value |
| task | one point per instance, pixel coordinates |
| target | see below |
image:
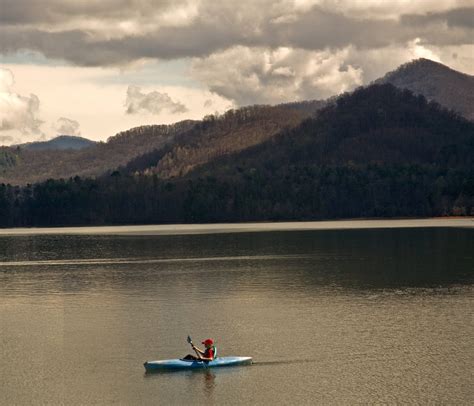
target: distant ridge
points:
(23, 165)
(59, 143)
(437, 82)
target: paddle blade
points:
(190, 341)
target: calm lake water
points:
(330, 317)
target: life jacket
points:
(214, 351)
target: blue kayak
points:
(178, 364)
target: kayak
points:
(178, 364)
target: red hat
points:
(208, 341)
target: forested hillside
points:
(217, 136)
(19, 166)
(178, 147)
(379, 152)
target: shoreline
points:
(221, 228)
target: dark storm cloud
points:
(457, 18)
(318, 29)
(14, 12)
(81, 48)
(215, 27)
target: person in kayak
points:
(209, 353)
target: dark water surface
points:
(330, 317)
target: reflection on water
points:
(342, 316)
(206, 378)
(209, 383)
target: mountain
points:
(217, 136)
(170, 150)
(452, 89)
(25, 165)
(377, 152)
(376, 125)
(436, 82)
(174, 151)
(59, 143)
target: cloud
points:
(154, 102)
(244, 52)
(260, 75)
(66, 126)
(63, 11)
(106, 32)
(460, 17)
(17, 113)
(389, 9)
(375, 63)
(95, 97)
(255, 75)
(6, 139)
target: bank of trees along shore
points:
(304, 193)
(379, 152)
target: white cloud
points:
(263, 75)
(66, 126)
(154, 102)
(18, 114)
(375, 63)
(96, 98)
(258, 75)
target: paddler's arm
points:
(200, 352)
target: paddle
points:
(190, 341)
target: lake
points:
(344, 314)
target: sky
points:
(94, 68)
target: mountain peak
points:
(452, 89)
(60, 142)
(425, 62)
(426, 65)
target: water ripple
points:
(118, 261)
